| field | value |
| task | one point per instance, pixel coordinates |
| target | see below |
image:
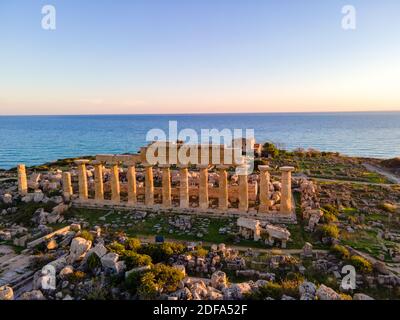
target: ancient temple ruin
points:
(252, 199)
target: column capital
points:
(96, 163)
(81, 161)
(147, 165)
(286, 169)
(264, 168)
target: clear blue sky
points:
(184, 56)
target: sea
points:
(39, 139)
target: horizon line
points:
(195, 113)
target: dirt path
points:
(344, 181)
(352, 181)
(151, 239)
(390, 176)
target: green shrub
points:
(344, 296)
(271, 289)
(133, 281)
(148, 288)
(201, 252)
(93, 262)
(361, 264)
(133, 244)
(329, 218)
(86, 235)
(116, 247)
(97, 292)
(269, 149)
(76, 277)
(162, 252)
(340, 251)
(291, 287)
(329, 230)
(133, 259)
(161, 278)
(328, 208)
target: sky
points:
(198, 56)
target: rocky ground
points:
(347, 215)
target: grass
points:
(331, 166)
(25, 212)
(146, 228)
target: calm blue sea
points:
(38, 139)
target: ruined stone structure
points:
(203, 192)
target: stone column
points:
(98, 181)
(184, 187)
(264, 189)
(149, 185)
(22, 180)
(132, 195)
(67, 185)
(243, 191)
(166, 185)
(82, 175)
(203, 187)
(223, 187)
(115, 185)
(286, 192)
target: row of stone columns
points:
(286, 192)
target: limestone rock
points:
(218, 280)
(326, 293)
(79, 248)
(99, 249)
(52, 245)
(109, 261)
(66, 271)
(60, 209)
(58, 264)
(307, 290)
(33, 295)
(137, 270)
(38, 196)
(7, 198)
(307, 250)
(362, 296)
(236, 291)
(6, 293)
